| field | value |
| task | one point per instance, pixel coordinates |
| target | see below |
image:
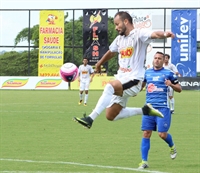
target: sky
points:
(80, 4)
(12, 22)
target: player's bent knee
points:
(111, 116)
(147, 133)
(113, 111)
(162, 135)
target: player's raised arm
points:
(107, 56)
(162, 34)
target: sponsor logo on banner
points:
(95, 19)
(51, 19)
(99, 82)
(48, 83)
(189, 83)
(143, 19)
(184, 45)
(51, 43)
(95, 36)
(14, 83)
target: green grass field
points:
(37, 134)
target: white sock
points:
(128, 112)
(86, 98)
(81, 96)
(172, 101)
(103, 101)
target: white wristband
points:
(165, 34)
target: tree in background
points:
(16, 63)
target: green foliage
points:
(24, 36)
(18, 64)
(71, 54)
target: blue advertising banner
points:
(184, 45)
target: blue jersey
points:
(156, 90)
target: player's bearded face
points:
(122, 31)
(119, 26)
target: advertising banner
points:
(189, 83)
(95, 35)
(98, 83)
(11, 82)
(184, 45)
(143, 19)
(51, 43)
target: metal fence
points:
(14, 21)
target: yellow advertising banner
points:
(98, 83)
(51, 43)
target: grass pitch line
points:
(81, 164)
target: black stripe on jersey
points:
(130, 84)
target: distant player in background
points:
(86, 74)
(173, 68)
(157, 80)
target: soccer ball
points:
(69, 72)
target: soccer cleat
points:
(172, 111)
(85, 104)
(85, 121)
(149, 110)
(143, 165)
(80, 102)
(173, 152)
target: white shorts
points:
(170, 91)
(127, 92)
(84, 85)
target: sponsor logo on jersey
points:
(84, 72)
(151, 88)
(125, 69)
(127, 52)
(156, 78)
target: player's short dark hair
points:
(124, 15)
(167, 56)
(160, 53)
(85, 58)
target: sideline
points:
(73, 163)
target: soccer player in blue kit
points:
(157, 80)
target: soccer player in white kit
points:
(173, 68)
(86, 74)
(131, 46)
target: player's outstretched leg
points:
(149, 110)
(86, 121)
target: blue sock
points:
(145, 146)
(169, 140)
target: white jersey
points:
(84, 72)
(171, 67)
(132, 53)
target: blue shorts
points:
(153, 122)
